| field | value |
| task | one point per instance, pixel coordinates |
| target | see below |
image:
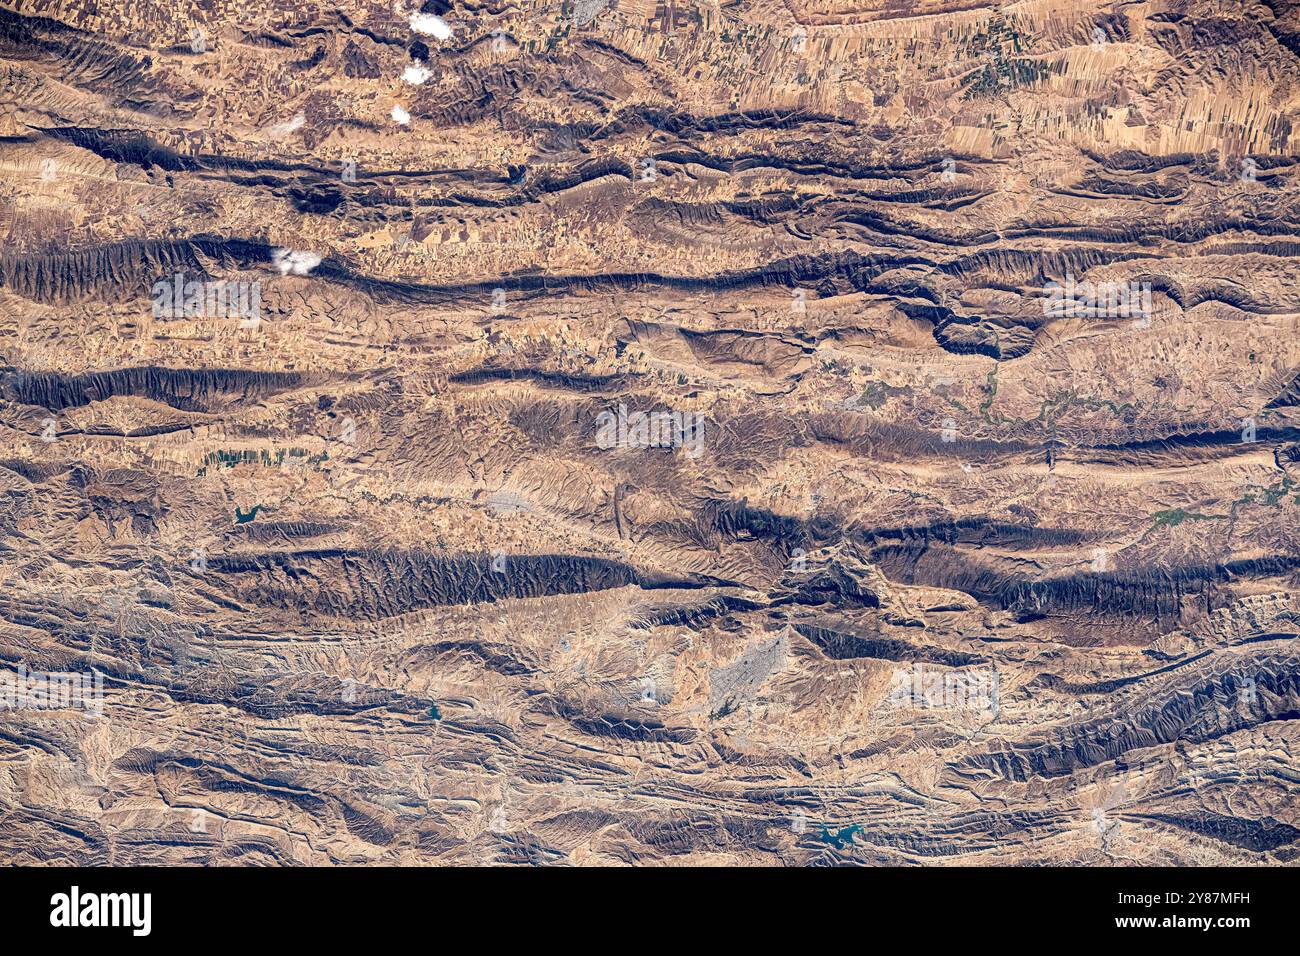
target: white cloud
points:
(292, 262)
(401, 116)
(431, 25)
(415, 74)
(280, 130)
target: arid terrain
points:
(627, 433)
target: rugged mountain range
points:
(634, 433)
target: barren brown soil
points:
(663, 434)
